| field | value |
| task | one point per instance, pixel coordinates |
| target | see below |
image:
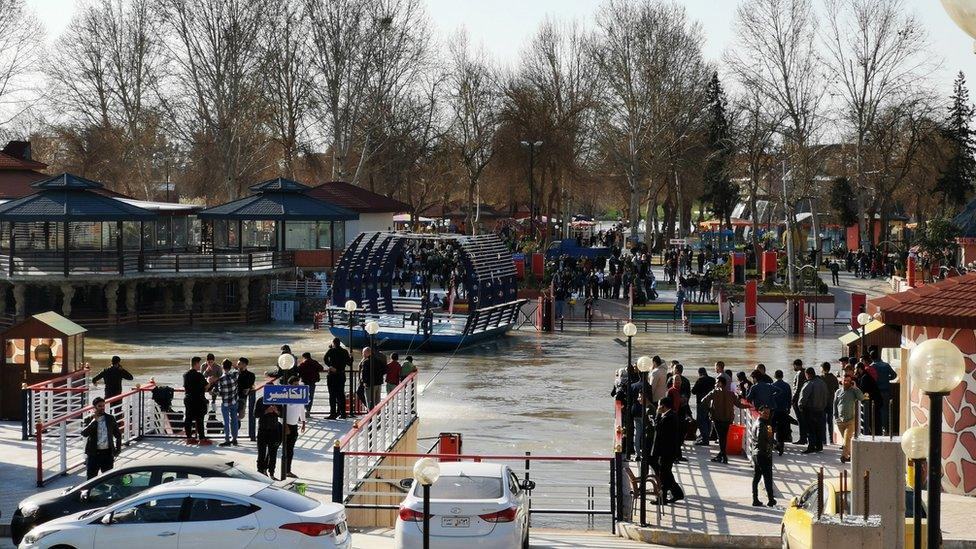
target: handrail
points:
(69, 375)
(358, 426)
(499, 457)
(91, 407)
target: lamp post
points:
(937, 367)
(426, 472)
(532, 146)
(863, 319)
(644, 364)
(915, 444)
(630, 330)
(372, 327)
(351, 309)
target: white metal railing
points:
(60, 444)
(377, 431)
(300, 287)
(53, 398)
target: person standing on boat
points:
(427, 323)
(337, 360)
(113, 376)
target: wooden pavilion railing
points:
(43, 263)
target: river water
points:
(546, 394)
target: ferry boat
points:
(485, 303)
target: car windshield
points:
(237, 472)
(291, 501)
(463, 487)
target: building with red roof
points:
(947, 310)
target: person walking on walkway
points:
(762, 457)
(337, 360)
(309, 371)
(813, 401)
(781, 413)
(294, 415)
(104, 440)
(227, 389)
(665, 452)
(393, 373)
(245, 385)
(704, 385)
(845, 411)
(113, 376)
(721, 407)
(835, 273)
(269, 436)
(830, 380)
(799, 379)
(195, 387)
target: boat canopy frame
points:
(364, 273)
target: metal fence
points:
(571, 491)
(359, 452)
(46, 400)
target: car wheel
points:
(784, 539)
(62, 547)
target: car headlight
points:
(29, 509)
(34, 536)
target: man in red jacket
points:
(309, 371)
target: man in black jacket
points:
(104, 440)
(337, 360)
(113, 376)
(665, 452)
(195, 388)
(245, 384)
(703, 386)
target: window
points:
(120, 486)
(208, 509)
(514, 485)
(170, 476)
(808, 500)
(150, 512)
(463, 487)
(291, 501)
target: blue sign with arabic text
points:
(286, 394)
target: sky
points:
(504, 26)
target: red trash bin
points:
(736, 439)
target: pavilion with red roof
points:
(947, 310)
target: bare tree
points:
(19, 52)
(776, 59)
(878, 53)
(653, 77)
(216, 103)
(287, 81)
(474, 103)
(105, 80)
(367, 55)
(756, 129)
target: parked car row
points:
(212, 503)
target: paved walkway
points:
(718, 498)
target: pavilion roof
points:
(950, 303)
(357, 199)
(279, 200)
(68, 197)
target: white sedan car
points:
(472, 505)
(201, 514)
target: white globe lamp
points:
(936, 366)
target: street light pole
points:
(531, 145)
(915, 445)
(351, 309)
(372, 328)
(937, 367)
(644, 366)
(426, 471)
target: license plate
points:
(455, 522)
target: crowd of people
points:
(210, 385)
(658, 418)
